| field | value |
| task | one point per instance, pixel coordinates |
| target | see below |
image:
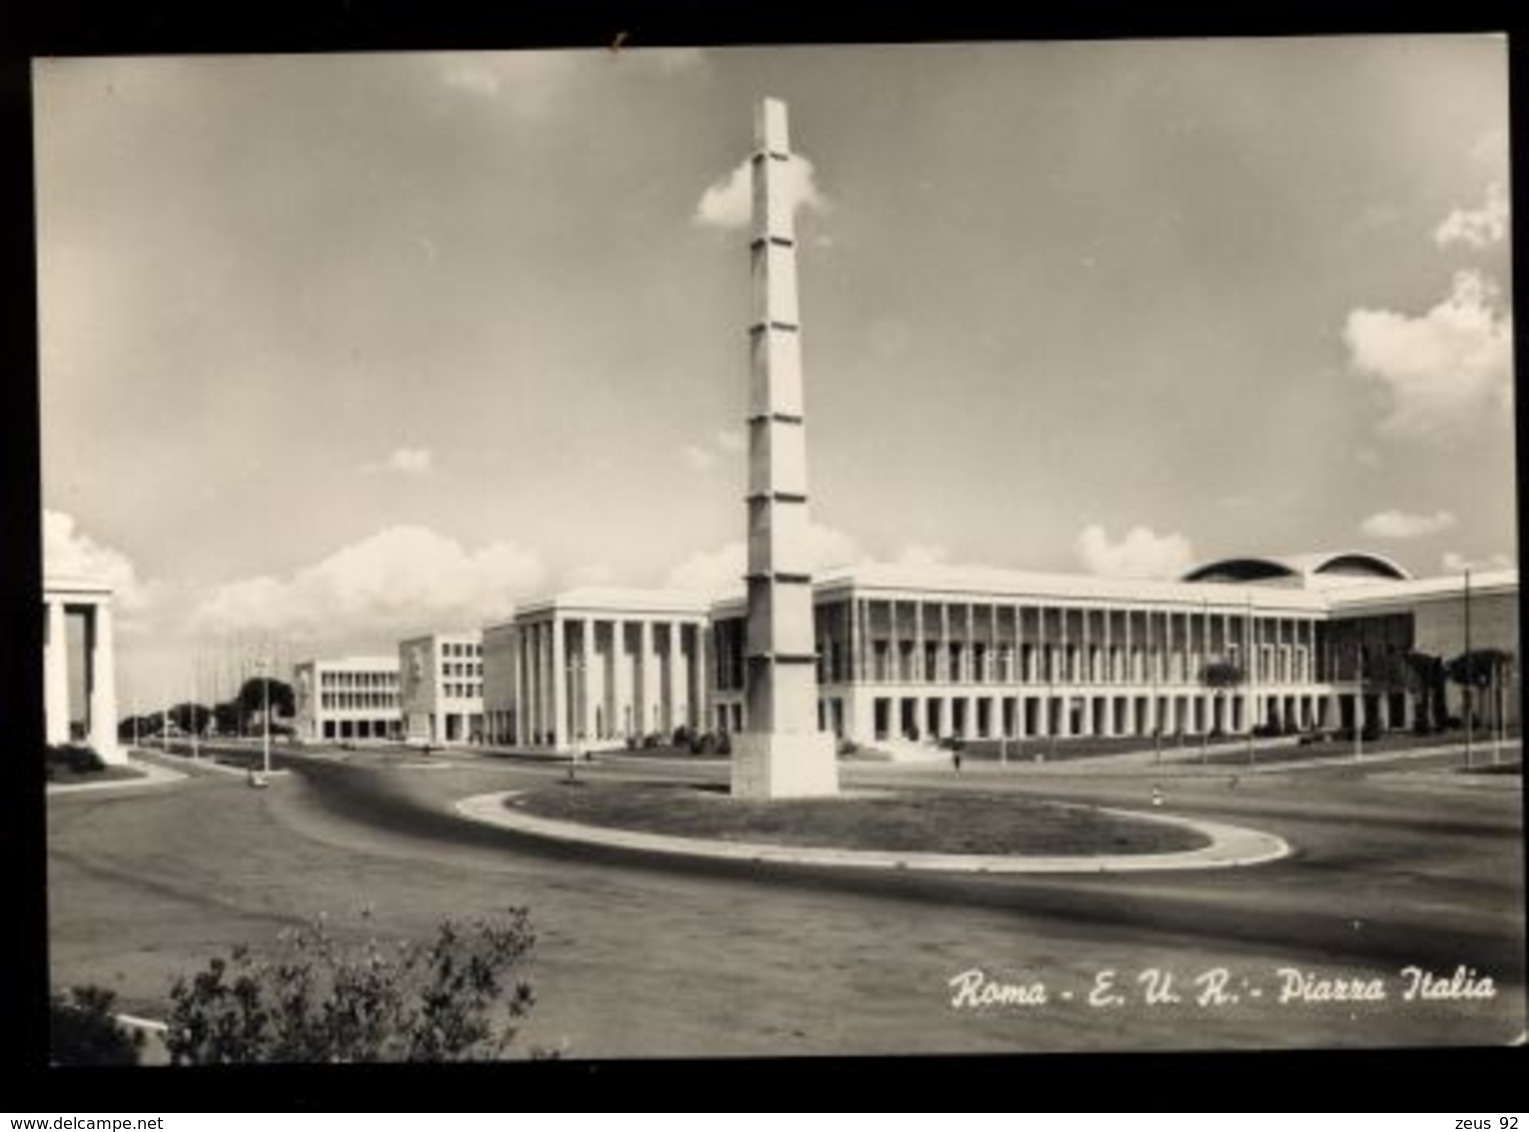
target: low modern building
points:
(914, 655)
(441, 692)
(80, 683)
(346, 699)
(597, 667)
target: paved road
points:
(641, 957)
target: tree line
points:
(239, 714)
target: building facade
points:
(90, 717)
(441, 688)
(597, 668)
(346, 699)
(908, 655)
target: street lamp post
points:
(262, 778)
(1469, 672)
(192, 714)
(1247, 678)
(575, 724)
(1359, 705)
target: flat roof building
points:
(91, 717)
(348, 698)
(906, 656)
(598, 667)
(441, 688)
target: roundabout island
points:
(938, 831)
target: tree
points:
(83, 1029)
(252, 696)
(1388, 673)
(225, 717)
(191, 717)
(1479, 670)
(1220, 677)
(1428, 688)
(319, 1000)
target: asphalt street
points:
(1403, 898)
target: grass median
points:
(925, 822)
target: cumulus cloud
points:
(1395, 524)
(67, 552)
(1456, 563)
(721, 571)
(1476, 227)
(1139, 554)
(401, 579)
(1439, 369)
(729, 203)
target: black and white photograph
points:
(631, 552)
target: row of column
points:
(1067, 716)
(577, 680)
(100, 673)
(1092, 653)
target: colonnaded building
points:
(79, 666)
(914, 655)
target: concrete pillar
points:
(522, 690)
(589, 679)
(56, 674)
(626, 722)
(102, 683)
(649, 678)
(538, 683)
(918, 643)
(561, 683)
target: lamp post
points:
(1469, 672)
(1247, 677)
(1153, 657)
(1497, 710)
(575, 728)
(1359, 720)
(261, 779)
(191, 715)
(1204, 659)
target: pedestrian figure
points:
(955, 758)
(1157, 796)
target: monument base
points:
(778, 764)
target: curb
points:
(215, 766)
(153, 775)
(1230, 847)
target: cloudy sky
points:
(340, 348)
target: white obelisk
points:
(781, 753)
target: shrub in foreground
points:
(318, 1000)
(83, 1029)
(72, 759)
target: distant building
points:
(441, 688)
(501, 643)
(346, 699)
(92, 718)
(597, 667)
(912, 655)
